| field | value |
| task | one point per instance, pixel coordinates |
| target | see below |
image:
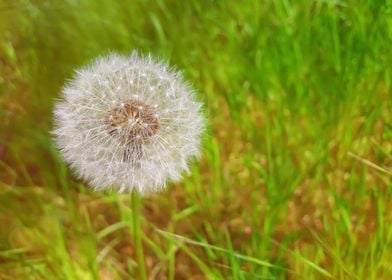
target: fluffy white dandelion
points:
(127, 122)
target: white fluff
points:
(108, 153)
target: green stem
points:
(137, 231)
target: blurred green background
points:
(295, 179)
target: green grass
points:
(295, 179)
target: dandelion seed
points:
(127, 134)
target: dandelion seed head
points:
(128, 122)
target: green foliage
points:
(295, 181)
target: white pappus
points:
(127, 122)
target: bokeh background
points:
(295, 178)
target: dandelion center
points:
(133, 122)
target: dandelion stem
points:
(137, 230)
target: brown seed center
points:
(133, 122)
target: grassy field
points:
(295, 178)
